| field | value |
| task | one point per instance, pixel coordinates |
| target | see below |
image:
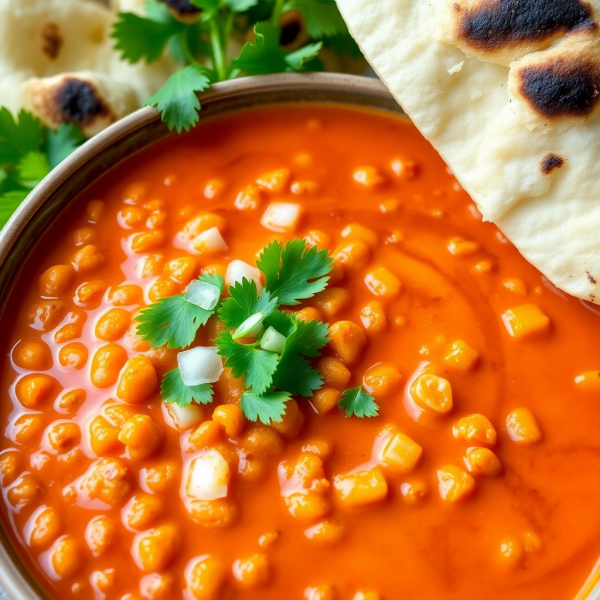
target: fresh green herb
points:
(174, 321)
(303, 339)
(359, 403)
(322, 17)
(243, 303)
(28, 151)
(173, 390)
(177, 100)
(256, 365)
(264, 55)
(295, 272)
(272, 376)
(266, 408)
(201, 45)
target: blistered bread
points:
(508, 91)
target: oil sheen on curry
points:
(477, 479)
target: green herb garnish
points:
(201, 45)
(359, 403)
(174, 321)
(273, 373)
(28, 151)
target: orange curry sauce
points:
(100, 519)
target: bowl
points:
(117, 143)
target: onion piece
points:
(208, 476)
(273, 341)
(184, 417)
(202, 294)
(200, 365)
(282, 216)
(251, 327)
(238, 270)
(209, 242)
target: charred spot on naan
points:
(78, 102)
(550, 162)
(52, 40)
(500, 31)
(492, 24)
(565, 86)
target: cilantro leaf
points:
(294, 273)
(9, 202)
(357, 402)
(267, 408)
(296, 375)
(173, 390)
(210, 6)
(18, 136)
(321, 17)
(32, 168)
(244, 303)
(294, 372)
(264, 55)
(174, 321)
(241, 5)
(214, 279)
(255, 364)
(144, 38)
(62, 142)
(305, 55)
(177, 100)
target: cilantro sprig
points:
(201, 44)
(28, 151)
(173, 321)
(356, 401)
(272, 373)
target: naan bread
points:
(508, 91)
(57, 59)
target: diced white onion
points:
(251, 327)
(202, 294)
(273, 341)
(282, 216)
(208, 476)
(209, 242)
(184, 417)
(238, 270)
(200, 365)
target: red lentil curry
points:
(478, 478)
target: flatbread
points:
(57, 60)
(508, 91)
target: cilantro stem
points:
(277, 10)
(186, 50)
(217, 43)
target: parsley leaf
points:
(32, 168)
(267, 408)
(255, 364)
(264, 55)
(62, 142)
(173, 390)
(144, 38)
(294, 273)
(357, 402)
(244, 303)
(321, 17)
(174, 321)
(177, 100)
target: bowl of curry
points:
(282, 356)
